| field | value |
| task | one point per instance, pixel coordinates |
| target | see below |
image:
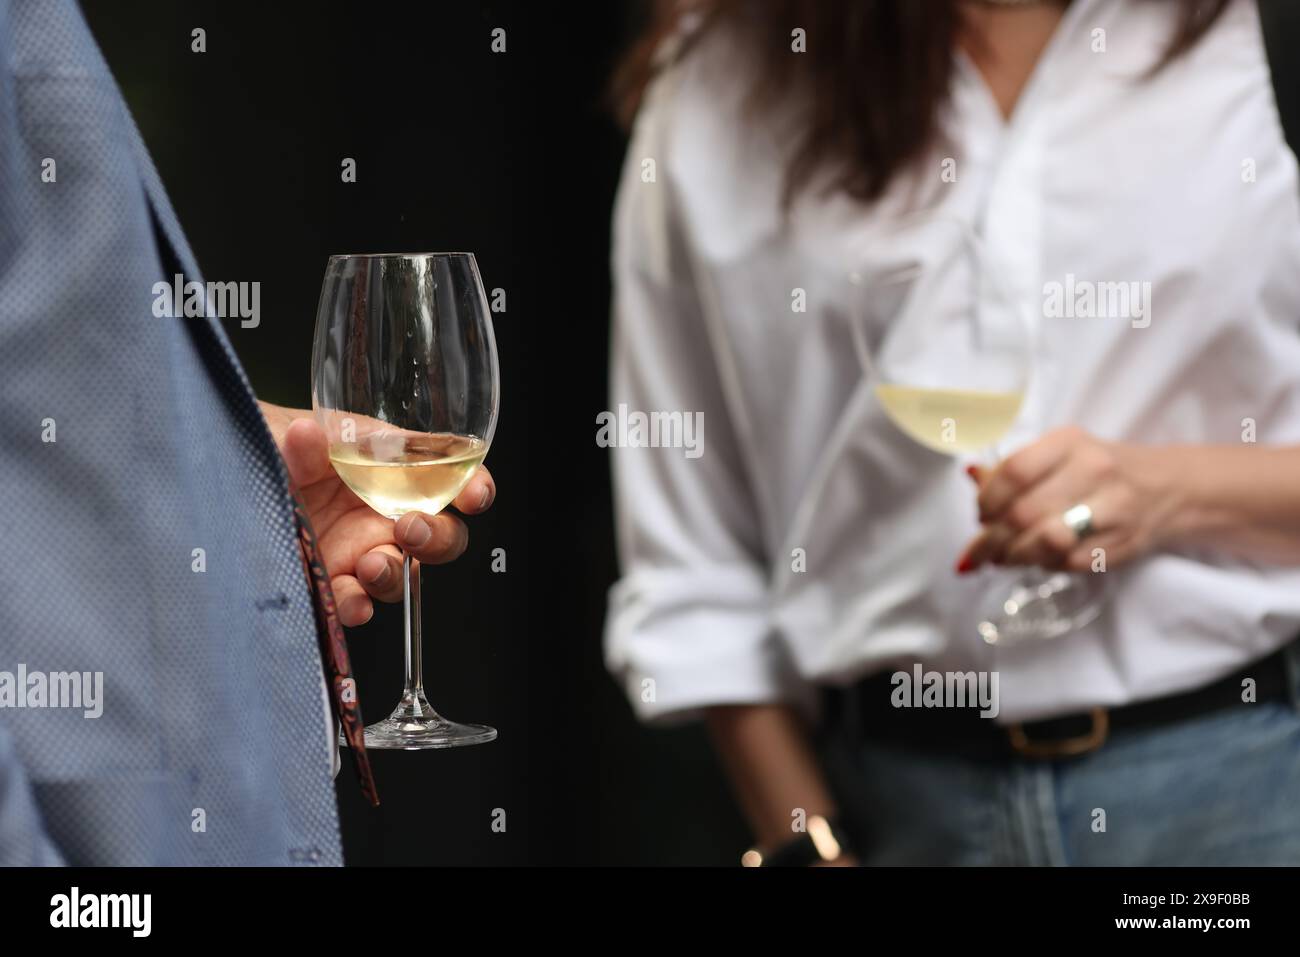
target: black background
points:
(512, 156)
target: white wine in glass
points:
(395, 473)
(950, 420)
(950, 367)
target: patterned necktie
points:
(344, 702)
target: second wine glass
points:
(948, 349)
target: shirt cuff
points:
(683, 640)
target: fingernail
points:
(486, 498)
(973, 472)
(381, 576)
(350, 610)
(417, 533)
(965, 565)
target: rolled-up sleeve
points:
(688, 623)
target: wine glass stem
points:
(414, 686)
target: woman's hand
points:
(361, 548)
(1133, 492)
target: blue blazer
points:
(146, 534)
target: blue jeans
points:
(1222, 789)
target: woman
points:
(777, 582)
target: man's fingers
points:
(351, 601)
(380, 573)
(478, 495)
(347, 538)
(306, 453)
(432, 539)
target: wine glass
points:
(404, 383)
(949, 348)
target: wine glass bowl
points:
(405, 385)
(948, 354)
(948, 347)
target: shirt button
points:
(277, 602)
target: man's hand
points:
(361, 548)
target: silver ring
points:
(1079, 520)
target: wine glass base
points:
(1039, 606)
(415, 726)
(426, 733)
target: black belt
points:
(865, 712)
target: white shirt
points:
(1183, 181)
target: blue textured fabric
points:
(212, 679)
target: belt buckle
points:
(1086, 743)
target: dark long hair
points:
(879, 75)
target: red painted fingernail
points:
(965, 565)
(973, 472)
